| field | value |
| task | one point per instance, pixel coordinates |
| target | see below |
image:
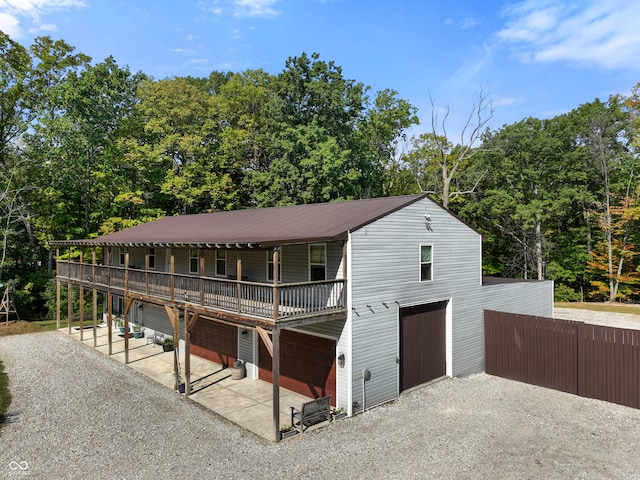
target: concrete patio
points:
(246, 402)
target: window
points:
(317, 262)
(194, 260)
(270, 265)
(426, 263)
(123, 253)
(221, 263)
(151, 253)
(119, 305)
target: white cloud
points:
(467, 22)
(255, 8)
(45, 27)
(595, 33)
(13, 12)
(505, 101)
(9, 25)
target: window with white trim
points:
(426, 263)
(221, 263)
(194, 260)
(122, 257)
(317, 262)
(151, 255)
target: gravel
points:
(608, 319)
(79, 414)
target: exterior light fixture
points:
(244, 333)
(341, 360)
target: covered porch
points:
(246, 402)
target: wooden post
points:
(202, 265)
(126, 308)
(110, 321)
(146, 274)
(187, 352)
(69, 306)
(58, 287)
(275, 285)
(189, 322)
(344, 261)
(95, 300)
(239, 285)
(81, 299)
(275, 369)
(172, 313)
(172, 269)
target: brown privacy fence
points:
(588, 360)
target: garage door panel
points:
(422, 344)
(214, 341)
(307, 364)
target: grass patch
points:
(601, 307)
(20, 327)
(5, 396)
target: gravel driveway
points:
(78, 414)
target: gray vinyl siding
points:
(154, 318)
(385, 276)
(246, 352)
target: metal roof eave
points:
(219, 245)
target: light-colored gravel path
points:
(609, 319)
(78, 414)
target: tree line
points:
(90, 148)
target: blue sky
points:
(536, 58)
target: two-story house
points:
(360, 299)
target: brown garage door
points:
(422, 344)
(307, 364)
(215, 341)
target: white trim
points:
(449, 338)
(348, 330)
(448, 335)
(197, 257)
(226, 264)
(155, 257)
(420, 263)
(309, 263)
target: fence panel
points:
(536, 350)
(609, 361)
(588, 360)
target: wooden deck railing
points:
(242, 297)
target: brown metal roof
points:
(256, 227)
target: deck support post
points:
(110, 321)
(174, 318)
(58, 288)
(81, 299)
(95, 300)
(69, 305)
(190, 320)
(275, 368)
(127, 306)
